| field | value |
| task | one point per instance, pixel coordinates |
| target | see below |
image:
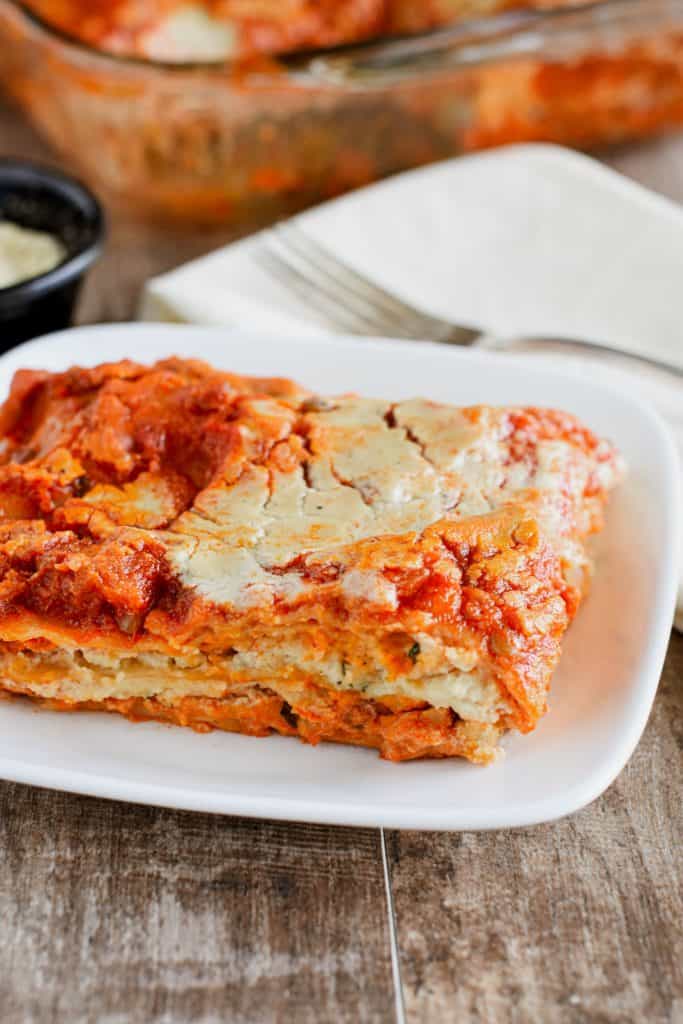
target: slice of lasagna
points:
(195, 547)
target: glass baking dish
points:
(248, 143)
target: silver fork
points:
(352, 302)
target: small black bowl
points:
(47, 200)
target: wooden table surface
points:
(118, 914)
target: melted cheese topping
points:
(148, 501)
(190, 33)
(373, 470)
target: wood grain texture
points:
(577, 922)
(112, 914)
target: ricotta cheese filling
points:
(84, 675)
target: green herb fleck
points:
(344, 666)
(414, 652)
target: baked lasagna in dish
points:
(208, 30)
(196, 547)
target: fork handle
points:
(566, 344)
(456, 334)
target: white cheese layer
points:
(95, 676)
(373, 470)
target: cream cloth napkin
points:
(524, 240)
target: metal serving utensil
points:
(349, 301)
(555, 34)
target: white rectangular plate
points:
(601, 694)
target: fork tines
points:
(342, 295)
